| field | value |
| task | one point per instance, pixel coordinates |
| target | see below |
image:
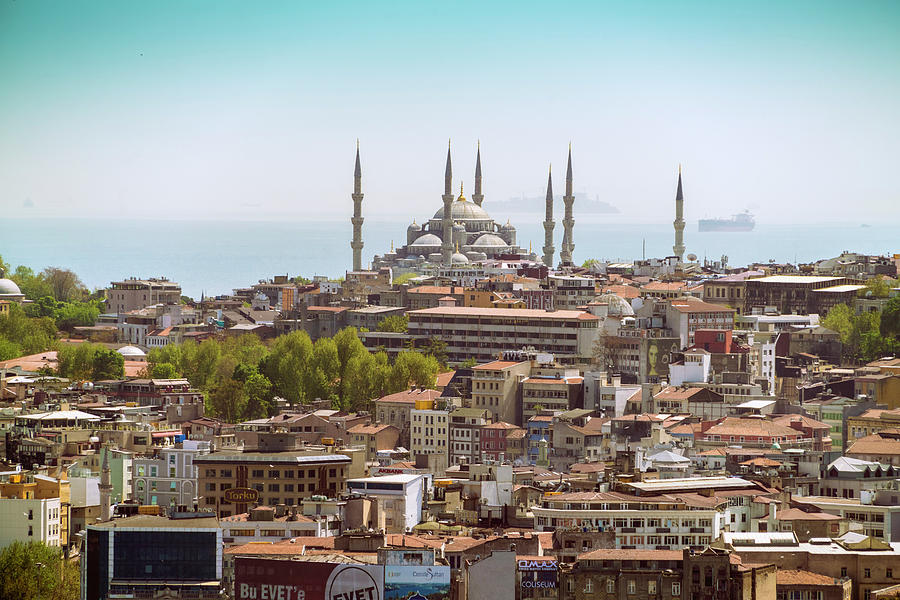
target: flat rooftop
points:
(690, 483)
(795, 279)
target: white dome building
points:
(10, 291)
(473, 235)
(132, 353)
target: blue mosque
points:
(460, 232)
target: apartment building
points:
(560, 391)
(465, 434)
(396, 409)
(374, 438)
(495, 387)
(429, 429)
(169, 477)
(685, 317)
(658, 522)
(276, 477)
(571, 291)
(483, 333)
(132, 294)
(788, 294)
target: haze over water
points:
(217, 256)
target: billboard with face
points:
(273, 579)
(658, 356)
(416, 582)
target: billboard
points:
(273, 579)
(537, 573)
(404, 582)
(659, 353)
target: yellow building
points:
(4, 307)
(41, 487)
(870, 422)
(883, 388)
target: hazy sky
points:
(252, 109)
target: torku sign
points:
(241, 495)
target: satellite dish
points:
(692, 257)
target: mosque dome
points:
(429, 240)
(8, 287)
(459, 258)
(464, 211)
(507, 227)
(414, 227)
(131, 351)
(489, 240)
(617, 306)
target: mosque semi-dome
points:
(131, 351)
(428, 240)
(616, 305)
(9, 287)
(488, 240)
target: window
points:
(589, 586)
(610, 586)
(867, 573)
(651, 587)
(889, 573)
(632, 587)
(676, 588)
(843, 571)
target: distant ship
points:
(741, 222)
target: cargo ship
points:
(741, 222)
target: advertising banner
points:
(537, 573)
(416, 582)
(272, 579)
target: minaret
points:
(357, 220)
(447, 221)
(477, 196)
(568, 245)
(549, 224)
(105, 487)
(678, 248)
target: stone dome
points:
(617, 305)
(127, 351)
(507, 227)
(459, 258)
(489, 240)
(414, 227)
(8, 287)
(429, 240)
(464, 211)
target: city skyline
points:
(229, 112)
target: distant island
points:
(530, 204)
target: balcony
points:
(663, 530)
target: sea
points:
(216, 256)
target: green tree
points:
(876, 287)
(413, 368)
(76, 361)
(37, 572)
(107, 364)
(258, 391)
(394, 324)
(228, 401)
(468, 363)
(286, 365)
(32, 285)
(64, 284)
(164, 370)
(840, 319)
(437, 348)
(890, 318)
(404, 278)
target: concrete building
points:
(277, 478)
(30, 520)
(877, 520)
(132, 294)
(374, 438)
(429, 429)
(788, 294)
(571, 292)
(483, 333)
(168, 477)
(465, 434)
(543, 391)
(495, 387)
(664, 521)
(396, 409)
(685, 317)
(398, 500)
